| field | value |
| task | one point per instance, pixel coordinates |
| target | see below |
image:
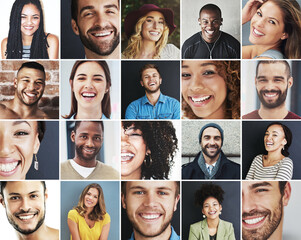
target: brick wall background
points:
(49, 102)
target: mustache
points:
(255, 213)
(25, 212)
(270, 91)
(211, 145)
(98, 28)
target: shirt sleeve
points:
(285, 171)
(73, 215)
(131, 112)
(107, 219)
(176, 113)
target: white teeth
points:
(127, 155)
(154, 33)
(210, 32)
(30, 94)
(7, 167)
(88, 94)
(89, 150)
(212, 213)
(102, 34)
(270, 95)
(258, 33)
(150, 216)
(200, 99)
(254, 220)
(26, 217)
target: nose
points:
(101, 20)
(88, 84)
(211, 141)
(5, 146)
(260, 22)
(150, 200)
(196, 84)
(89, 142)
(124, 138)
(248, 203)
(25, 205)
(155, 24)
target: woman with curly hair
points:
(210, 198)
(275, 29)
(89, 219)
(211, 89)
(276, 164)
(26, 37)
(147, 149)
(148, 29)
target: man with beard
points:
(273, 78)
(211, 162)
(150, 206)
(88, 139)
(97, 24)
(262, 209)
(210, 42)
(29, 88)
(153, 105)
(24, 203)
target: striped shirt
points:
(26, 52)
(282, 170)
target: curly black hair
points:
(160, 138)
(208, 190)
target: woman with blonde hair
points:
(275, 29)
(89, 219)
(148, 29)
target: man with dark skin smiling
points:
(211, 43)
(273, 79)
(29, 87)
(262, 209)
(24, 203)
(211, 162)
(150, 206)
(88, 139)
(97, 24)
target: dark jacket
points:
(227, 169)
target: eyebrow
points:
(268, 16)
(201, 65)
(261, 184)
(20, 122)
(153, 17)
(143, 188)
(31, 15)
(92, 7)
(95, 75)
(13, 193)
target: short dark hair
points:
(288, 137)
(147, 66)
(3, 185)
(287, 66)
(77, 124)
(34, 65)
(282, 185)
(211, 7)
(41, 130)
(208, 190)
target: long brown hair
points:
(106, 101)
(99, 209)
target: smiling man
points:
(150, 206)
(96, 22)
(29, 88)
(24, 203)
(211, 162)
(153, 105)
(211, 43)
(273, 79)
(262, 209)
(88, 139)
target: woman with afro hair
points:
(147, 149)
(210, 197)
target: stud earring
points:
(204, 216)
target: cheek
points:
(220, 89)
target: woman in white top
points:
(275, 164)
(148, 29)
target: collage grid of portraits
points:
(203, 97)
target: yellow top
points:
(85, 232)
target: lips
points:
(257, 33)
(150, 216)
(154, 33)
(210, 32)
(126, 156)
(88, 94)
(28, 27)
(152, 84)
(8, 166)
(31, 95)
(253, 222)
(199, 101)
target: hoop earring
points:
(148, 160)
(36, 163)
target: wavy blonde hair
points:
(133, 49)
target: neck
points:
(26, 40)
(88, 210)
(213, 223)
(148, 49)
(92, 55)
(24, 110)
(211, 40)
(153, 97)
(210, 160)
(88, 113)
(37, 235)
(165, 235)
(274, 156)
(84, 163)
(273, 113)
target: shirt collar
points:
(162, 98)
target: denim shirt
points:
(166, 108)
(173, 236)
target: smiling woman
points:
(19, 142)
(148, 29)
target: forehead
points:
(270, 9)
(22, 124)
(96, 3)
(149, 71)
(30, 8)
(211, 131)
(89, 127)
(31, 72)
(155, 14)
(23, 187)
(276, 128)
(210, 199)
(89, 67)
(151, 185)
(209, 14)
(93, 191)
(272, 69)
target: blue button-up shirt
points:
(173, 236)
(165, 108)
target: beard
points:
(80, 153)
(20, 96)
(102, 48)
(269, 227)
(279, 101)
(28, 231)
(207, 153)
(152, 91)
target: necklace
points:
(210, 51)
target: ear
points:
(141, 82)
(160, 80)
(287, 194)
(72, 136)
(108, 89)
(284, 36)
(46, 194)
(199, 20)
(71, 84)
(176, 202)
(74, 27)
(36, 145)
(15, 82)
(148, 151)
(290, 82)
(222, 21)
(123, 201)
(2, 201)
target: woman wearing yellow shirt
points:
(89, 219)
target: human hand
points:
(250, 9)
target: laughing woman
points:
(275, 29)
(148, 29)
(89, 219)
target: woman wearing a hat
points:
(148, 29)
